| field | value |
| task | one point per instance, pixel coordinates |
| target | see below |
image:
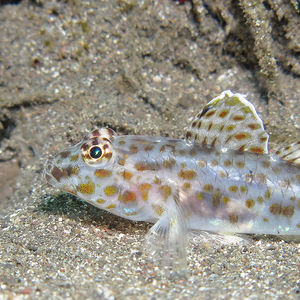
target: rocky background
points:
(139, 67)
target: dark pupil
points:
(95, 152)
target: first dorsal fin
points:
(290, 153)
(229, 121)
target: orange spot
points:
(127, 196)
(268, 194)
(210, 113)
(121, 142)
(122, 162)
(74, 157)
(108, 155)
(230, 127)
(254, 126)
(102, 173)
(110, 190)
(208, 188)
(143, 166)
(238, 118)
(257, 150)
(241, 136)
(169, 163)
(275, 209)
(158, 209)
(86, 188)
(250, 203)
(223, 114)
(127, 175)
(260, 199)
(233, 188)
(187, 185)
(165, 191)
(225, 200)
(144, 188)
(101, 201)
(240, 164)
(288, 211)
(243, 189)
(200, 196)
(111, 206)
(187, 174)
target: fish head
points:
(85, 168)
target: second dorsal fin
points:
(229, 121)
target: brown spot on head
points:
(57, 173)
(95, 133)
(64, 154)
(107, 155)
(127, 175)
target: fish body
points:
(220, 178)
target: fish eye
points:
(95, 152)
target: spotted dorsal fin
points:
(229, 121)
(290, 153)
